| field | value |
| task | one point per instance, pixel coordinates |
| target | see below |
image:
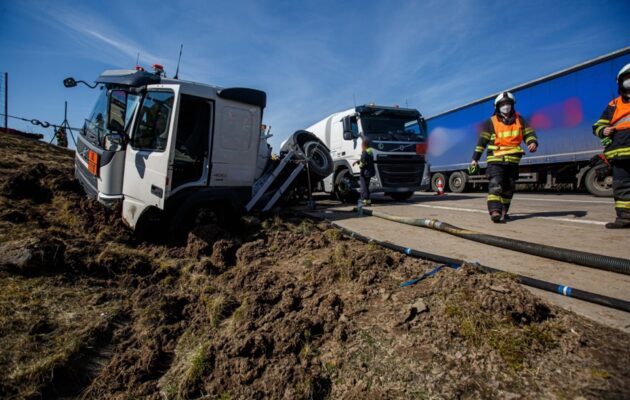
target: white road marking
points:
(526, 196)
(473, 210)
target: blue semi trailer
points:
(562, 107)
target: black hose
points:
(606, 263)
(525, 280)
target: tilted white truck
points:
(166, 148)
(398, 138)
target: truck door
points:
(148, 160)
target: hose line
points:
(606, 263)
(584, 295)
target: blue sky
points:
(311, 57)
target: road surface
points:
(572, 221)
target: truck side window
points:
(152, 129)
(191, 140)
(355, 126)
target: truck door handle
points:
(157, 191)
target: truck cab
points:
(155, 144)
(398, 137)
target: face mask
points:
(626, 84)
(505, 109)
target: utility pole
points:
(6, 102)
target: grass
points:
(342, 262)
(198, 364)
(220, 307)
(513, 343)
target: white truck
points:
(166, 148)
(398, 137)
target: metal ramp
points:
(259, 192)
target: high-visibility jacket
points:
(617, 115)
(503, 137)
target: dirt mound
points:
(270, 307)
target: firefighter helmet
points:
(623, 71)
(504, 96)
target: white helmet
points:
(504, 96)
(624, 71)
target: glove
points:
(473, 169)
(606, 141)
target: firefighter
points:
(367, 170)
(613, 128)
(60, 135)
(503, 134)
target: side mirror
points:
(116, 110)
(347, 128)
(69, 82)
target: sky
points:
(312, 58)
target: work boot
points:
(619, 224)
(495, 216)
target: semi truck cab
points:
(398, 137)
(154, 143)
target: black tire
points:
(434, 179)
(597, 186)
(320, 161)
(401, 196)
(344, 187)
(457, 182)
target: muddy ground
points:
(274, 307)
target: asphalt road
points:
(573, 221)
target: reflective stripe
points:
(530, 139)
(622, 152)
(528, 131)
(505, 201)
(505, 134)
(503, 151)
(508, 159)
(485, 135)
(492, 147)
(494, 197)
(479, 149)
(622, 204)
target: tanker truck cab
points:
(161, 145)
(398, 137)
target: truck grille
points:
(400, 175)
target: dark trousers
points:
(621, 187)
(364, 183)
(501, 186)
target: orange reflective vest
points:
(508, 138)
(621, 116)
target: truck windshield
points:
(95, 126)
(393, 127)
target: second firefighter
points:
(503, 134)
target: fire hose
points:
(606, 263)
(584, 295)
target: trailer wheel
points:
(596, 185)
(344, 190)
(434, 179)
(457, 182)
(400, 196)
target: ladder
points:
(260, 190)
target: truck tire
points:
(400, 196)
(320, 161)
(344, 191)
(434, 179)
(597, 186)
(457, 182)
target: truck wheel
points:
(434, 179)
(320, 162)
(400, 196)
(344, 187)
(600, 187)
(457, 182)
